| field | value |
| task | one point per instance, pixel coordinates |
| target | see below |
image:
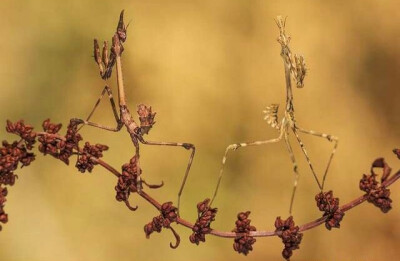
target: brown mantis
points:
(294, 68)
(106, 62)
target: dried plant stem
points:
(229, 234)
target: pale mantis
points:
(294, 68)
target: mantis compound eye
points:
(146, 117)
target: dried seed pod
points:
(168, 215)
(85, 161)
(127, 182)
(25, 131)
(376, 193)
(330, 206)
(243, 243)
(290, 235)
(206, 214)
(3, 215)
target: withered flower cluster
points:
(289, 233)
(3, 215)
(168, 215)
(243, 241)
(330, 206)
(127, 181)
(72, 138)
(146, 117)
(10, 156)
(85, 161)
(25, 131)
(58, 146)
(377, 194)
(50, 144)
(206, 214)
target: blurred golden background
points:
(208, 68)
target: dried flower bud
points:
(127, 182)
(168, 215)
(85, 161)
(290, 235)
(25, 131)
(3, 215)
(10, 156)
(243, 242)
(330, 206)
(206, 214)
(51, 127)
(377, 194)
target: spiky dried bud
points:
(10, 156)
(243, 243)
(127, 182)
(85, 161)
(3, 215)
(330, 206)
(206, 214)
(290, 235)
(72, 139)
(50, 127)
(168, 215)
(25, 131)
(60, 148)
(377, 194)
(146, 117)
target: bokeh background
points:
(208, 68)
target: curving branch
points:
(129, 180)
